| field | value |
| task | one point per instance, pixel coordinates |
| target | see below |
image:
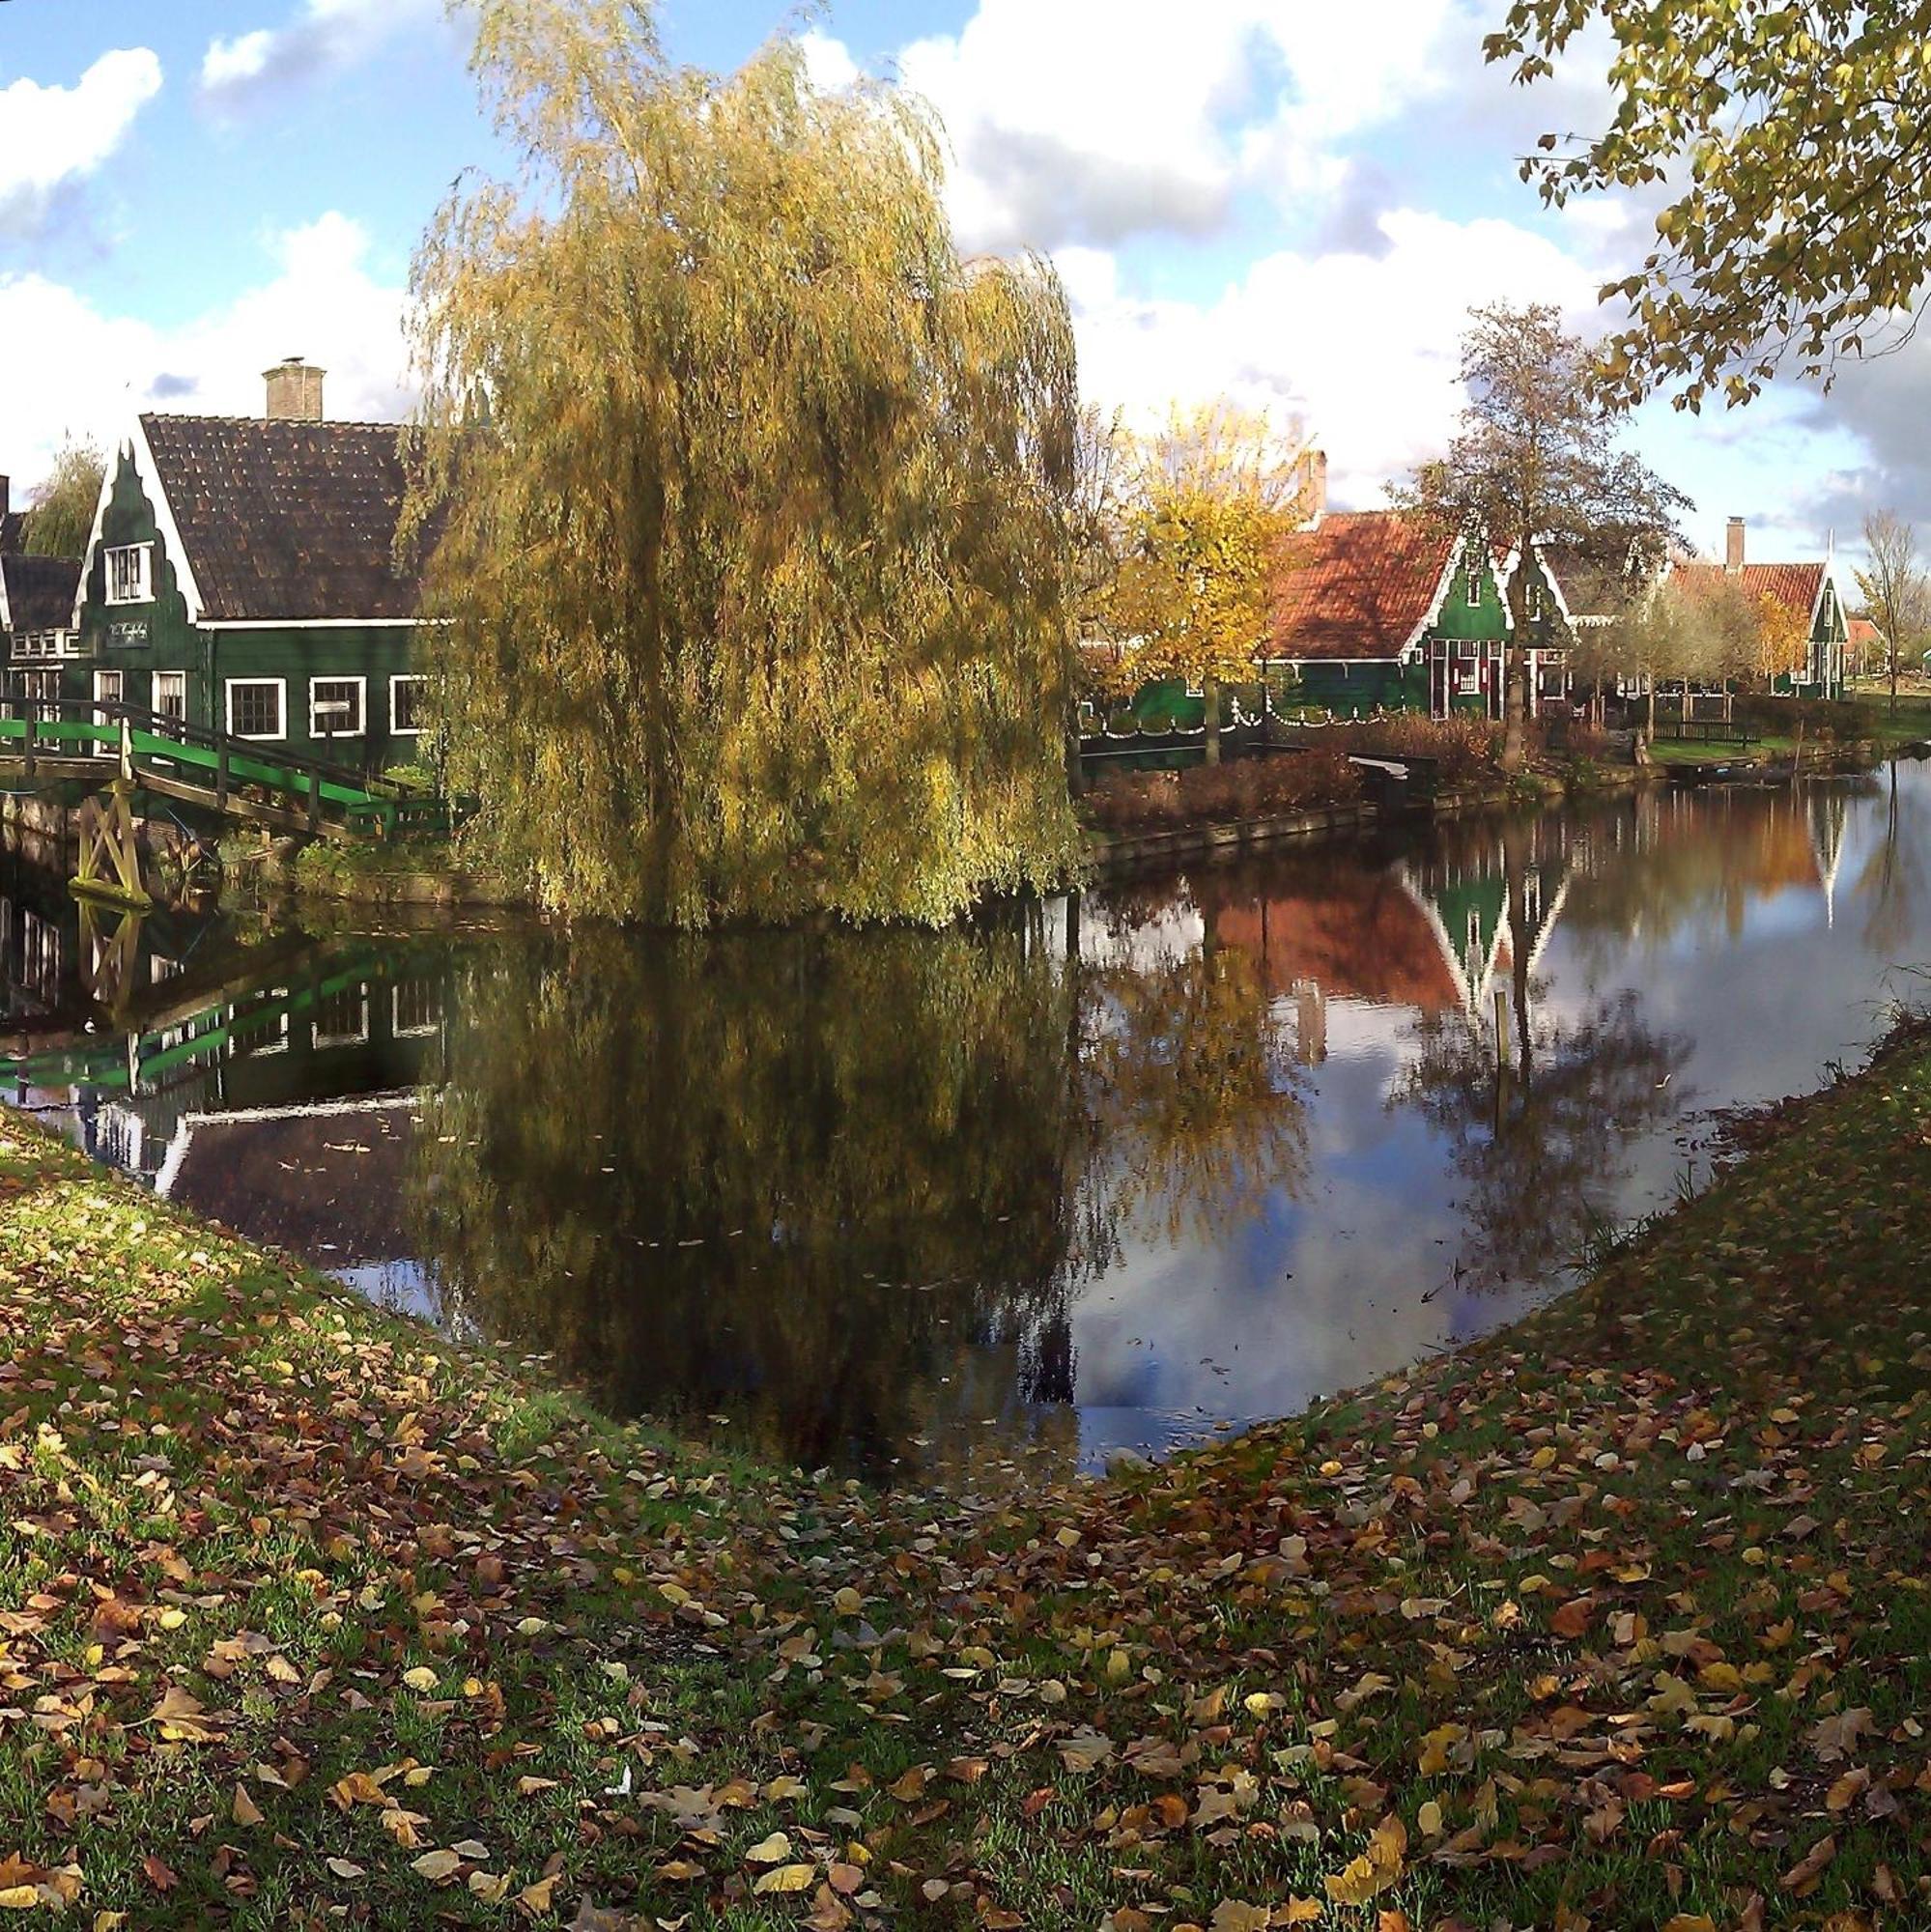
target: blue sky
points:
(1292, 204)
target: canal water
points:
(1102, 1175)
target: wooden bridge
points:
(97, 742)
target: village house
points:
(1813, 595)
(36, 594)
(1377, 610)
(241, 578)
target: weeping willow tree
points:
(753, 502)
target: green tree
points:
(62, 518)
(1795, 139)
(752, 500)
(1205, 506)
(1533, 461)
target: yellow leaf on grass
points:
(1376, 1869)
(788, 1878)
(772, 1851)
(18, 1898)
(421, 1678)
(435, 1866)
(848, 1603)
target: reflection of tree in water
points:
(1537, 1109)
(835, 1177)
(1890, 884)
(1191, 1085)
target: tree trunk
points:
(1210, 712)
(1075, 772)
(1515, 673)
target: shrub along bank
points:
(1316, 773)
(1618, 1620)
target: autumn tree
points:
(1533, 460)
(1793, 142)
(1205, 506)
(1895, 585)
(62, 518)
(750, 498)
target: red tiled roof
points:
(1357, 937)
(1795, 585)
(1358, 585)
(1864, 632)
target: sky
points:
(1290, 203)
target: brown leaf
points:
(163, 1876)
(246, 1812)
(1803, 1875)
(1571, 1619)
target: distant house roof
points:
(283, 521)
(1795, 585)
(36, 593)
(1361, 584)
(1863, 632)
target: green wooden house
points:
(1377, 610)
(242, 577)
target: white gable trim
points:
(135, 449)
(1457, 551)
(6, 615)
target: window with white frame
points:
(416, 1008)
(130, 570)
(1472, 587)
(171, 695)
(256, 707)
(335, 707)
(341, 1019)
(108, 689)
(405, 705)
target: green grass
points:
(1620, 1614)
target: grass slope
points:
(1618, 1620)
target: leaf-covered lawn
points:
(1621, 1619)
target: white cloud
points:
(70, 367)
(322, 37)
(1364, 347)
(1090, 120)
(57, 135)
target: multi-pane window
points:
(255, 707)
(341, 1019)
(128, 569)
(108, 689)
(171, 695)
(335, 707)
(416, 1008)
(405, 705)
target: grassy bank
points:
(1617, 1620)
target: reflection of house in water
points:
(1432, 936)
(281, 1109)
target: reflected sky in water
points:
(1103, 1174)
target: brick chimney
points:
(1733, 546)
(1313, 466)
(294, 391)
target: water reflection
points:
(1098, 1173)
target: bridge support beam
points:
(110, 861)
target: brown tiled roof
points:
(1793, 584)
(287, 519)
(39, 591)
(1358, 585)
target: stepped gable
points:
(285, 521)
(1360, 584)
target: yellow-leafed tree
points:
(1206, 505)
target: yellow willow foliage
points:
(753, 502)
